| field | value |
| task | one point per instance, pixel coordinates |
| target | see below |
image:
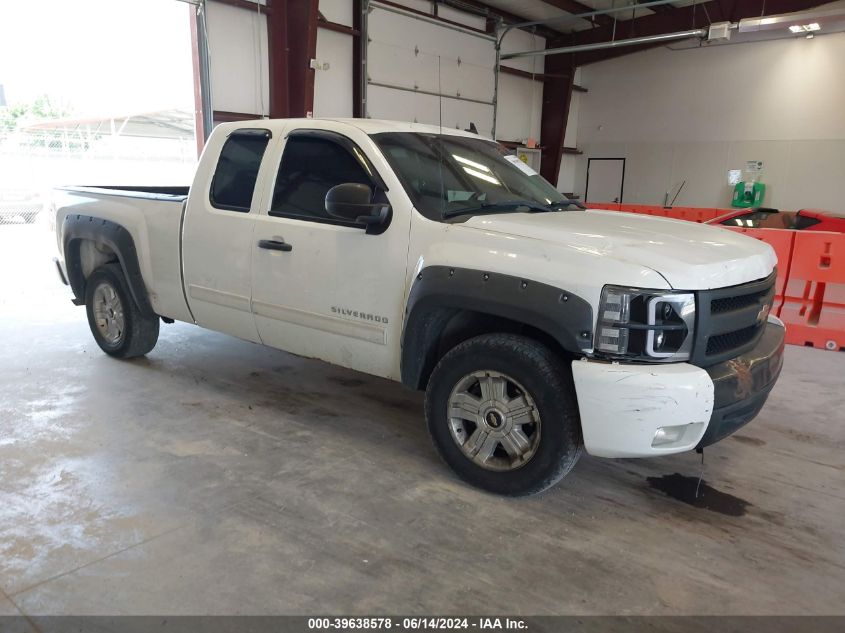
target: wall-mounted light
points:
(805, 28)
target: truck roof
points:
(368, 126)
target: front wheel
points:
(502, 412)
(119, 327)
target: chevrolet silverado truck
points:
(436, 258)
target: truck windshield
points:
(450, 177)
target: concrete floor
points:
(219, 477)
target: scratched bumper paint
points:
(622, 406)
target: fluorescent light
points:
(481, 175)
(471, 163)
(805, 28)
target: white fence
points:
(34, 160)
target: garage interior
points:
(218, 477)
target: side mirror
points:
(351, 201)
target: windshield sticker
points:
(520, 164)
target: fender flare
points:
(440, 292)
(76, 228)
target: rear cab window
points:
(233, 184)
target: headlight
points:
(650, 325)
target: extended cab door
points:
(323, 287)
(217, 236)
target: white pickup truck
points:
(435, 258)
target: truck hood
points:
(689, 256)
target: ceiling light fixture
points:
(805, 28)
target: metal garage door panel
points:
(406, 31)
(393, 66)
(415, 54)
(399, 105)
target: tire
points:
(123, 332)
(553, 430)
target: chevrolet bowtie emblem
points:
(763, 314)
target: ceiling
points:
(677, 15)
(543, 10)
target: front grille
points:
(731, 340)
(729, 304)
(731, 320)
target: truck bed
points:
(153, 217)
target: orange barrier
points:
(696, 214)
(814, 301)
(782, 241)
(691, 214)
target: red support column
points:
(557, 95)
(292, 37)
(358, 44)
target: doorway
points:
(605, 180)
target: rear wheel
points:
(118, 326)
(502, 412)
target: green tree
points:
(42, 107)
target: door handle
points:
(275, 245)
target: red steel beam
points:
(223, 116)
(357, 60)
(292, 44)
(338, 28)
(557, 96)
(573, 6)
(302, 48)
(507, 70)
(277, 54)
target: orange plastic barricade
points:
(691, 214)
(814, 301)
(694, 214)
(783, 242)
(603, 206)
(676, 213)
(703, 214)
(644, 209)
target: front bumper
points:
(742, 384)
(623, 407)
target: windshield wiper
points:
(495, 207)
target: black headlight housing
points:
(645, 325)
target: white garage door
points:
(417, 68)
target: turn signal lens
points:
(615, 311)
